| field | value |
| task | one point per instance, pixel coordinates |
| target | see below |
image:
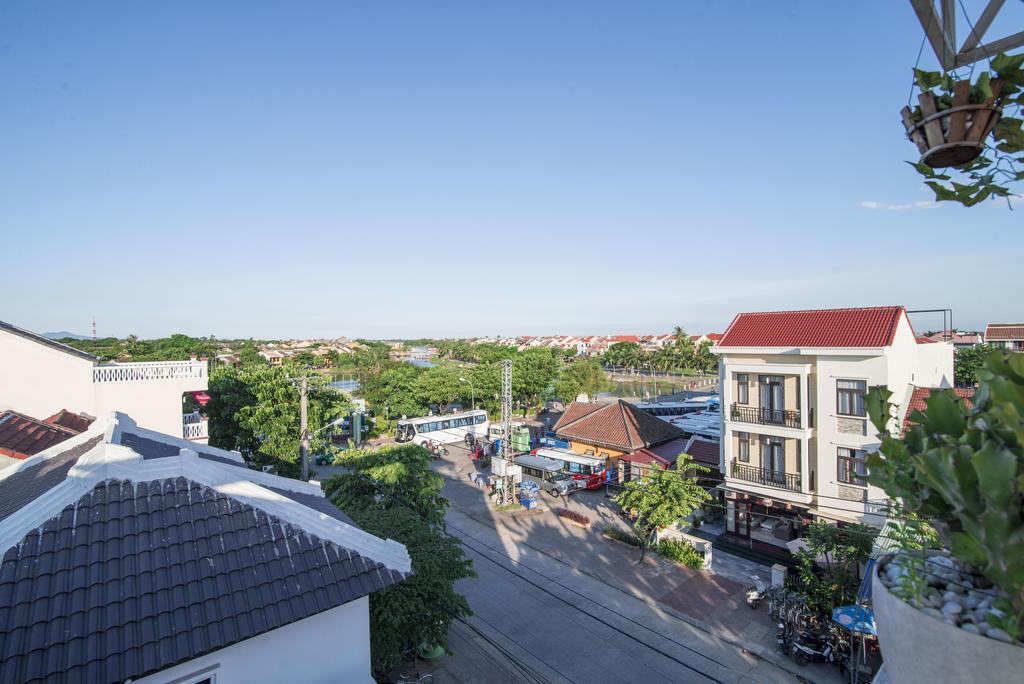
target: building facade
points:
(795, 427)
(41, 377)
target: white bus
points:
(444, 429)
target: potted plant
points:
(954, 122)
(954, 612)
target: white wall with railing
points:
(39, 380)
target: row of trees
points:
(682, 354)
(395, 389)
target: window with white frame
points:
(743, 449)
(850, 397)
(852, 466)
(742, 388)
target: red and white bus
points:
(589, 468)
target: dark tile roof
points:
(29, 335)
(100, 595)
(28, 483)
(151, 448)
(618, 425)
(320, 504)
(22, 436)
(863, 327)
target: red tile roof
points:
(714, 337)
(1004, 332)
(861, 327)
(919, 398)
(617, 425)
(76, 422)
(703, 451)
(625, 338)
(22, 436)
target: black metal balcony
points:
(763, 476)
(765, 416)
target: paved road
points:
(563, 621)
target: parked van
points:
(549, 475)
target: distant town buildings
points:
(592, 345)
(1006, 335)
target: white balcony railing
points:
(194, 426)
(149, 370)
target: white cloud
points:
(920, 204)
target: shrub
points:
(572, 515)
(619, 534)
(681, 552)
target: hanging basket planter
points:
(955, 135)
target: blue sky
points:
(445, 168)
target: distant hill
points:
(65, 335)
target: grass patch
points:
(507, 507)
(681, 552)
(619, 534)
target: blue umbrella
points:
(857, 619)
(864, 594)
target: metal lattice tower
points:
(506, 410)
(508, 483)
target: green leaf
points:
(926, 80)
(996, 468)
(1003, 63)
(984, 86)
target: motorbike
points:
(784, 638)
(813, 648)
(756, 592)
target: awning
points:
(855, 618)
(202, 397)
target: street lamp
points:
(472, 394)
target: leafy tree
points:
(273, 415)
(624, 355)
(373, 358)
(703, 359)
(843, 549)
(393, 391)
(967, 361)
(662, 498)
(229, 393)
(438, 387)
(585, 376)
(684, 348)
(393, 493)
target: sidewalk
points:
(712, 602)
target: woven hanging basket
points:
(953, 136)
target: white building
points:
(39, 377)
(131, 556)
(795, 429)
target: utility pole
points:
(304, 429)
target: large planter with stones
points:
(921, 648)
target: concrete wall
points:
(331, 647)
(38, 380)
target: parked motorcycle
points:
(784, 638)
(813, 648)
(756, 592)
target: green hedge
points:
(681, 552)
(619, 534)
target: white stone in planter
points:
(919, 649)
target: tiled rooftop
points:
(618, 425)
(173, 557)
(863, 327)
(22, 436)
